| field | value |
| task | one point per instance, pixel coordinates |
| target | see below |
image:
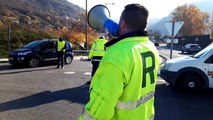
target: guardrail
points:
(81, 51)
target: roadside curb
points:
(3, 60)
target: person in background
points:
(123, 86)
(96, 53)
(60, 48)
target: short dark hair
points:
(60, 39)
(135, 15)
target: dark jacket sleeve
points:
(56, 46)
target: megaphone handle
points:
(112, 27)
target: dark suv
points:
(39, 52)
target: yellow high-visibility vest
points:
(97, 48)
(123, 87)
(61, 45)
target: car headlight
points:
(167, 66)
(24, 53)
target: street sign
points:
(196, 39)
(177, 26)
(174, 41)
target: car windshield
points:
(187, 46)
(204, 51)
(33, 44)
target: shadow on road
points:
(9, 69)
(6, 67)
(169, 104)
(13, 70)
(85, 60)
(74, 95)
(173, 105)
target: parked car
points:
(192, 72)
(191, 48)
(39, 52)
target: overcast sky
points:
(157, 8)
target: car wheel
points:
(33, 62)
(68, 59)
(190, 82)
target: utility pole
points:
(211, 30)
(9, 37)
(86, 45)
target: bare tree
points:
(196, 22)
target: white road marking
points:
(87, 73)
(69, 73)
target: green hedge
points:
(19, 38)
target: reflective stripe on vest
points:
(86, 116)
(60, 45)
(97, 60)
(133, 105)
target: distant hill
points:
(43, 12)
(160, 27)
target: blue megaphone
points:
(98, 18)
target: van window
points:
(205, 51)
(209, 60)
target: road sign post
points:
(173, 28)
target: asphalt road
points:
(43, 93)
(47, 93)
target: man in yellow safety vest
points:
(60, 48)
(97, 51)
(123, 86)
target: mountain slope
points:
(41, 11)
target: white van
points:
(192, 72)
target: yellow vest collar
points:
(131, 34)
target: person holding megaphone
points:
(123, 86)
